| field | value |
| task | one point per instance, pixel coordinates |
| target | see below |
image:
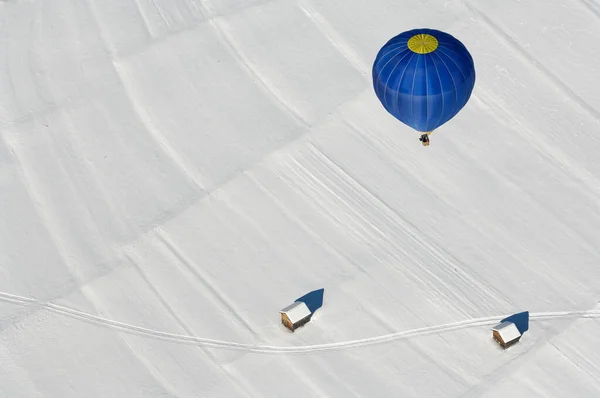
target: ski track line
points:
(495, 378)
(339, 180)
(255, 226)
(346, 49)
(308, 176)
(144, 18)
(133, 346)
(46, 211)
(162, 15)
(212, 343)
(41, 111)
(239, 381)
(320, 238)
(298, 176)
(441, 255)
(205, 17)
(551, 153)
(548, 155)
(222, 300)
(591, 7)
(510, 42)
(194, 175)
(180, 160)
(202, 278)
(260, 79)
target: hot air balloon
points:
(423, 77)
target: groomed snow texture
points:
(174, 172)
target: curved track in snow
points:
(212, 343)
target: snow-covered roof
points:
(507, 330)
(296, 311)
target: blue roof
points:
(521, 321)
(313, 300)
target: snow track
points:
(171, 169)
(266, 349)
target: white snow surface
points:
(174, 172)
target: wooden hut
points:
(295, 315)
(506, 334)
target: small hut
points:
(506, 334)
(511, 329)
(301, 311)
(295, 315)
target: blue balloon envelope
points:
(423, 77)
